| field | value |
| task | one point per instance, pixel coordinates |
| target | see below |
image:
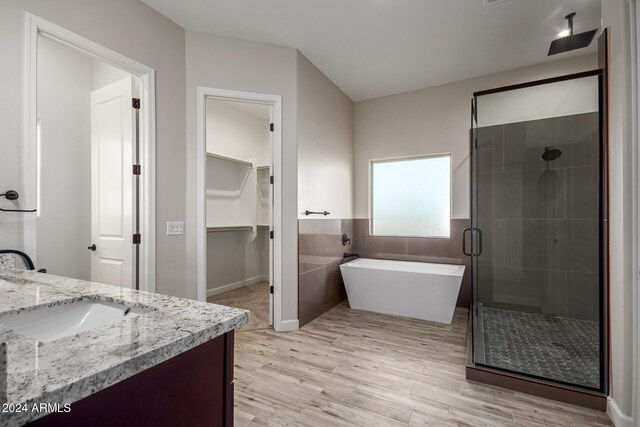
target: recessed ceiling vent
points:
(493, 2)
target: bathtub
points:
(411, 289)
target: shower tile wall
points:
(540, 219)
(421, 249)
(320, 250)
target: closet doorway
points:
(239, 176)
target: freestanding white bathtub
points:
(411, 289)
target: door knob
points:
(92, 247)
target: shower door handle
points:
(464, 241)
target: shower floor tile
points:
(558, 348)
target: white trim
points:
(201, 158)
(31, 136)
(634, 20)
(289, 325)
(618, 418)
(147, 139)
(232, 286)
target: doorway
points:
(239, 207)
(90, 137)
(238, 258)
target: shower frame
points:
(523, 382)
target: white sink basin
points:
(50, 323)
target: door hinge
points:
(271, 127)
(271, 179)
(136, 169)
(271, 234)
(136, 239)
(271, 289)
(135, 102)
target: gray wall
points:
(540, 220)
(622, 266)
(233, 262)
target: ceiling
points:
(372, 48)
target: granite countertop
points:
(71, 368)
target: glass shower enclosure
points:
(537, 215)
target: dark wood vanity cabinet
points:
(194, 388)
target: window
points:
(411, 196)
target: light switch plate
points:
(175, 228)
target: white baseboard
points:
(232, 286)
(288, 325)
(618, 418)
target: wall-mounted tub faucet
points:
(345, 239)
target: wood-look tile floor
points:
(353, 368)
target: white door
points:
(113, 138)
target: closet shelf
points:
(263, 167)
(229, 159)
(229, 228)
(263, 226)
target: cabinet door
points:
(194, 388)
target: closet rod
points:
(229, 159)
(229, 228)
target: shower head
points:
(551, 154)
(572, 41)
